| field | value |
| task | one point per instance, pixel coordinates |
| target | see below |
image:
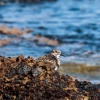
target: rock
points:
(46, 41)
(22, 68)
(4, 42)
(14, 31)
(26, 30)
(24, 79)
(19, 58)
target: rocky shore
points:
(25, 79)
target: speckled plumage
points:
(52, 57)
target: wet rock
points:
(26, 30)
(13, 31)
(22, 68)
(42, 40)
(25, 79)
(4, 42)
(45, 41)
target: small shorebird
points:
(52, 57)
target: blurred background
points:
(35, 27)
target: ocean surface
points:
(74, 23)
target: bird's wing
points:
(48, 58)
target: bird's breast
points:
(58, 62)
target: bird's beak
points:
(63, 55)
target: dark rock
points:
(22, 68)
(24, 79)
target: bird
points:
(52, 58)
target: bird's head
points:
(56, 53)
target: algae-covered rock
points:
(25, 79)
